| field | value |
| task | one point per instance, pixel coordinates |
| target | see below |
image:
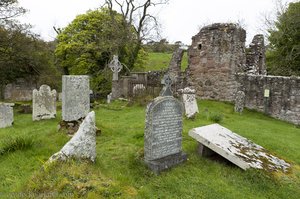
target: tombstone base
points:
(204, 151)
(167, 162)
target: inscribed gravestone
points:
(163, 133)
(6, 115)
(189, 101)
(43, 103)
(75, 97)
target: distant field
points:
(160, 61)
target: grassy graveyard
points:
(119, 171)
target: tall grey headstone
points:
(6, 114)
(163, 133)
(190, 102)
(75, 97)
(43, 103)
(239, 101)
(116, 66)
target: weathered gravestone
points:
(190, 102)
(82, 145)
(75, 97)
(6, 114)
(239, 101)
(240, 151)
(163, 132)
(43, 103)
(115, 66)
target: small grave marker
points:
(43, 103)
(6, 114)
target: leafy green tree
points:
(24, 55)
(88, 43)
(283, 55)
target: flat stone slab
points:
(237, 149)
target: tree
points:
(9, 9)
(87, 44)
(283, 55)
(137, 13)
(24, 55)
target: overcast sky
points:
(180, 19)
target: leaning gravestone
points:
(43, 103)
(239, 101)
(190, 102)
(75, 97)
(163, 131)
(6, 114)
(82, 145)
(240, 151)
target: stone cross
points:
(167, 81)
(115, 66)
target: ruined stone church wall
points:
(284, 96)
(217, 53)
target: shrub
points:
(216, 117)
(11, 144)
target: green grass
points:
(119, 171)
(160, 61)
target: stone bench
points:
(240, 151)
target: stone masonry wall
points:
(255, 57)
(20, 90)
(217, 53)
(284, 98)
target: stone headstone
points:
(190, 102)
(167, 82)
(108, 100)
(240, 151)
(239, 101)
(163, 134)
(6, 114)
(138, 89)
(43, 103)
(115, 66)
(75, 97)
(82, 145)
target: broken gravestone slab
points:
(82, 145)
(235, 148)
(189, 101)
(75, 97)
(43, 103)
(6, 114)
